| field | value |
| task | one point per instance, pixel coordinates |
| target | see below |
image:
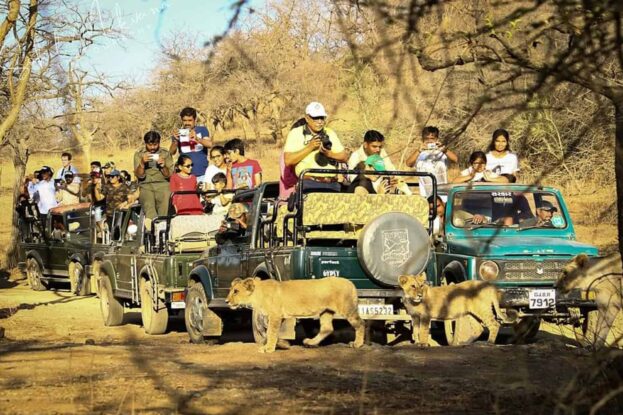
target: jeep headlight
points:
(488, 270)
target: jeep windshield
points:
(523, 210)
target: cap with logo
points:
(545, 205)
(315, 109)
(115, 172)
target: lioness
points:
(424, 303)
(299, 299)
(604, 277)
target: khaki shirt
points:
(152, 172)
(299, 137)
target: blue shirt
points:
(197, 152)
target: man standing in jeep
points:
(193, 140)
(313, 146)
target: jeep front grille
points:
(530, 270)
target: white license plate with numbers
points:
(178, 304)
(542, 298)
(366, 310)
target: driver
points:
(544, 213)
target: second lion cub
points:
(424, 303)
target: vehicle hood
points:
(503, 246)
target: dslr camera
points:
(324, 138)
(321, 159)
(59, 183)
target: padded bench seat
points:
(353, 211)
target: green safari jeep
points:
(150, 263)
(369, 239)
(499, 233)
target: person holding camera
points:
(193, 140)
(431, 157)
(45, 192)
(67, 190)
(153, 166)
(313, 146)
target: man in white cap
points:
(313, 146)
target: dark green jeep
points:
(369, 239)
(149, 265)
(57, 250)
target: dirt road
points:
(57, 357)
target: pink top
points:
(185, 204)
(287, 179)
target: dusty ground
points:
(57, 357)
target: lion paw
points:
(266, 349)
(283, 344)
(421, 345)
(355, 345)
(309, 343)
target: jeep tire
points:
(155, 316)
(79, 283)
(35, 275)
(194, 313)
(112, 310)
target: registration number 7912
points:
(542, 298)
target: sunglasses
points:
(187, 165)
(321, 118)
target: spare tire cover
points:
(391, 245)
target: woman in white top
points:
(217, 155)
(500, 159)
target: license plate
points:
(178, 304)
(366, 310)
(542, 298)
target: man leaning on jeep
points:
(313, 146)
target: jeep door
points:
(58, 258)
(127, 250)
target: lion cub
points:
(604, 277)
(324, 297)
(425, 303)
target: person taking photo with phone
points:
(193, 140)
(153, 166)
(432, 156)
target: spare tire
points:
(391, 245)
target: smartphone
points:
(184, 134)
(431, 146)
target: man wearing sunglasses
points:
(313, 146)
(115, 191)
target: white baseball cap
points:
(315, 109)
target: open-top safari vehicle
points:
(369, 239)
(150, 264)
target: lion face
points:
(414, 286)
(572, 273)
(240, 292)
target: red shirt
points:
(243, 174)
(185, 204)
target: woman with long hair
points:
(500, 158)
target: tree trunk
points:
(255, 124)
(20, 159)
(618, 165)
